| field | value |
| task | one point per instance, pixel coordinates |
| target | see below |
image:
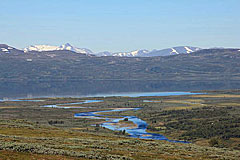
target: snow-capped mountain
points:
(147, 53)
(6, 49)
(124, 54)
(67, 46)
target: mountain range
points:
(68, 47)
(204, 65)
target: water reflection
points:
(30, 89)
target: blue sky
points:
(121, 25)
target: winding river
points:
(140, 127)
(136, 132)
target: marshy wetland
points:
(210, 122)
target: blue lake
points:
(142, 94)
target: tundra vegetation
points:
(209, 121)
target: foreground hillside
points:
(25, 140)
(209, 122)
(207, 65)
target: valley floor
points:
(210, 122)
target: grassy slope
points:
(31, 141)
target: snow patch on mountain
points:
(174, 51)
(131, 54)
(5, 50)
(188, 50)
(105, 53)
(134, 53)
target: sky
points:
(121, 25)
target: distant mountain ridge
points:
(4, 49)
(69, 49)
(153, 53)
